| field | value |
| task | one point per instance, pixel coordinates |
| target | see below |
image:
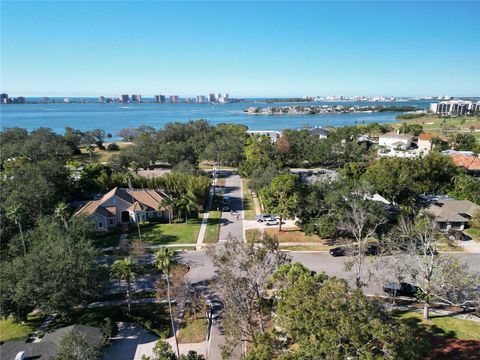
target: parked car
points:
(372, 249)
(337, 251)
(401, 289)
(271, 222)
(265, 217)
(226, 208)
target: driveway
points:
(130, 338)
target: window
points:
(100, 224)
(149, 214)
(111, 221)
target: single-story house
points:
(393, 140)
(273, 135)
(320, 132)
(49, 345)
(452, 214)
(124, 206)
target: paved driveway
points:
(124, 345)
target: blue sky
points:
(246, 49)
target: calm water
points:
(113, 117)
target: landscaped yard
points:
(293, 235)
(248, 205)
(213, 227)
(106, 239)
(163, 234)
(193, 331)
(444, 325)
(10, 330)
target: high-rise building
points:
(4, 98)
(20, 100)
(454, 107)
(162, 98)
(137, 98)
(201, 98)
(174, 98)
(101, 99)
(157, 98)
(125, 98)
(211, 98)
(45, 99)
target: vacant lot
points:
(99, 156)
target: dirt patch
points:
(447, 349)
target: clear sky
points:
(247, 49)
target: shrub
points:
(113, 147)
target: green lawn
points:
(162, 234)
(248, 205)
(473, 233)
(444, 325)
(106, 239)
(10, 330)
(213, 227)
(98, 156)
(193, 331)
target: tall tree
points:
(243, 274)
(282, 196)
(62, 212)
(14, 213)
(164, 259)
(360, 223)
(75, 346)
(439, 277)
(123, 269)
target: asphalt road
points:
(231, 221)
(201, 268)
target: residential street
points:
(231, 222)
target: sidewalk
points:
(206, 214)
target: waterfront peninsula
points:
(325, 109)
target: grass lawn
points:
(248, 205)
(106, 239)
(432, 124)
(293, 235)
(193, 331)
(10, 330)
(213, 227)
(251, 234)
(444, 325)
(175, 233)
(473, 233)
(99, 156)
(153, 317)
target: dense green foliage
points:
(75, 346)
(58, 272)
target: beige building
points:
(124, 206)
(452, 214)
(393, 140)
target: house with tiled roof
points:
(471, 163)
(124, 206)
(425, 141)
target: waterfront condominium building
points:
(174, 98)
(137, 98)
(101, 99)
(201, 98)
(454, 107)
(4, 98)
(157, 98)
(211, 98)
(162, 98)
(125, 98)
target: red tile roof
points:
(468, 162)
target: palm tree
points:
(14, 213)
(127, 178)
(124, 270)
(61, 211)
(168, 203)
(164, 259)
(187, 204)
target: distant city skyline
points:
(250, 49)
